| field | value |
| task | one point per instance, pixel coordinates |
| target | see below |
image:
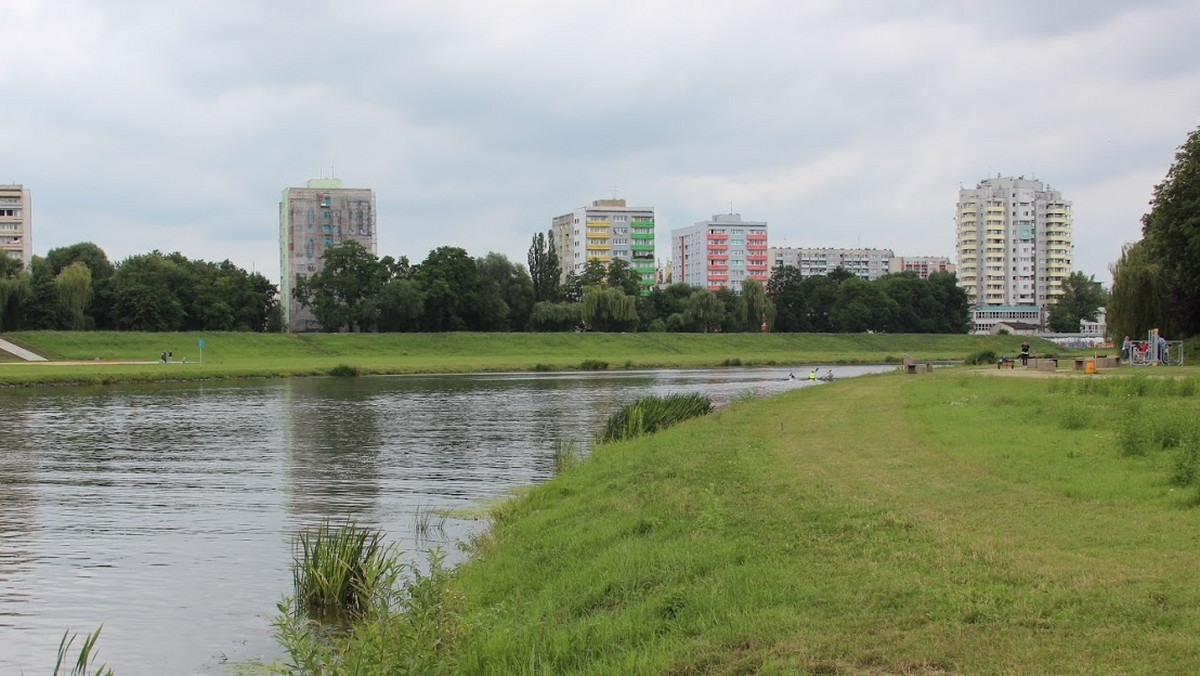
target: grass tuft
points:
(650, 414)
(593, 365)
(338, 571)
(345, 371)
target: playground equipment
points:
(1156, 351)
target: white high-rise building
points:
(720, 253)
(606, 230)
(1013, 241)
(312, 219)
(16, 223)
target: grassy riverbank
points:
(957, 522)
(250, 355)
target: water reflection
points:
(332, 446)
(165, 512)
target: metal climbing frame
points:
(1148, 353)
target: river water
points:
(166, 512)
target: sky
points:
(176, 124)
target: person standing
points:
(1025, 353)
(1126, 349)
(1160, 345)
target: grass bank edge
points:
(766, 548)
(247, 355)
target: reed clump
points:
(85, 661)
(339, 571)
(650, 414)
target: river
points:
(166, 512)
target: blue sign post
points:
(200, 344)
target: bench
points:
(911, 366)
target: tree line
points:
(77, 288)
(450, 291)
(1156, 281)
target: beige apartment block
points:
(16, 223)
(320, 215)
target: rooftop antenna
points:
(615, 192)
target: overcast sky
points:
(176, 124)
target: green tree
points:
(1171, 231)
(1138, 301)
(74, 287)
(785, 289)
(450, 279)
(861, 306)
(704, 310)
(820, 297)
(15, 292)
(1082, 298)
(547, 316)
(145, 294)
(544, 268)
(101, 270)
(401, 305)
(344, 294)
(514, 286)
(608, 309)
(758, 307)
(620, 275)
(954, 309)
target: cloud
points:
(142, 125)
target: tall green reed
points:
(650, 414)
(87, 656)
(338, 570)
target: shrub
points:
(594, 365)
(1075, 418)
(1185, 465)
(1133, 435)
(345, 371)
(981, 357)
(650, 414)
(732, 361)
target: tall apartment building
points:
(922, 265)
(607, 230)
(870, 264)
(1013, 241)
(311, 219)
(720, 253)
(16, 223)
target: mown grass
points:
(249, 355)
(950, 523)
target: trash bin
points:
(1090, 366)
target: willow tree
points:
(759, 309)
(74, 288)
(1137, 301)
(608, 309)
(14, 293)
(1171, 231)
(705, 309)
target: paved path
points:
(20, 351)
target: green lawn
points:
(957, 522)
(240, 355)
